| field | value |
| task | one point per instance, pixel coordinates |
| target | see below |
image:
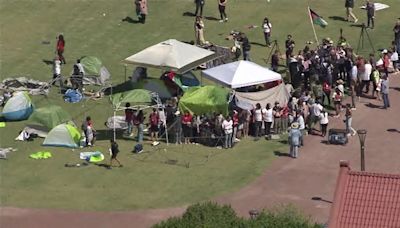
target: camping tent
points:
(18, 107)
(50, 116)
(171, 55)
(95, 72)
(248, 100)
(65, 135)
(207, 99)
(240, 74)
(136, 96)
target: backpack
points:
(138, 148)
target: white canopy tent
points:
(241, 74)
(171, 55)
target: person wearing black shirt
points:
(396, 31)
(370, 7)
(245, 47)
(199, 6)
(349, 4)
(114, 152)
(289, 44)
(275, 61)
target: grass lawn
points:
(144, 181)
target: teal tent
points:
(136, 96)
(50, 116)
(207, 99)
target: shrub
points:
(210, 215)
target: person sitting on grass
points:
(114, 152)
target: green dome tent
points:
(50, 116)
(136, 96)
(95, 72)
(199, 100)
(63, 135)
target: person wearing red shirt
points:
(60, 48)
(129, 118)
(154, 122)
(186, 126)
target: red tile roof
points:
(365, 200)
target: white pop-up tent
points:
(171, 55)
(241, 74)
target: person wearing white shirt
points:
(227, 126)
(257, 121)
(57, 71)
(366, 76)
(267, 116)
(267, 31)
(316, 110)
(395, 59)
(323, 121)
(302, 125)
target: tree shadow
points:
(211, 18)
(370, 105)
(337, 18)
(47, 62)
(130, 20)
(188, 14)
(258, 44)
(281, 154)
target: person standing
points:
(154, 119)
(385, 91)
(396, 30)
(57, 72)
(177, 124)
(227, 126)
(275, 61)
(323, 121)
(337, 101)
(143, 11)
(289, 44)
(235, 120)
(370, 7)
(257, 121)
(60, 48)
(89, 131)
(245, 47)
(186, 127)
(349, 4)
(267, 118)
(277, 113)
(199, 31)
(366, 76)
(199, 7)
(221, 8)
(129, 118)
(349, 117)
(114, 152)
(294, 139)
(267, 31)
(139, 123)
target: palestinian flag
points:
(317, 20)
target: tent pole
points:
(114, 132)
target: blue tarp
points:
(72, 96)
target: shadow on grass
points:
(125, 86)
(337, 18)
(107, 134)
(370, 105)
(356, 25)
(188, 14)
(281, 154)
(258, 44)
(130, 20)
(47, 62)
(211, 18)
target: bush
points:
(210, 215)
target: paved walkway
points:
(287, 180)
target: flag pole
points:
(312, 24)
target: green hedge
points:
(210, 215)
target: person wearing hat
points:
(386, 61)
(294, 139)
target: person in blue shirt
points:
(294, 139)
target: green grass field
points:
(25, 24)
